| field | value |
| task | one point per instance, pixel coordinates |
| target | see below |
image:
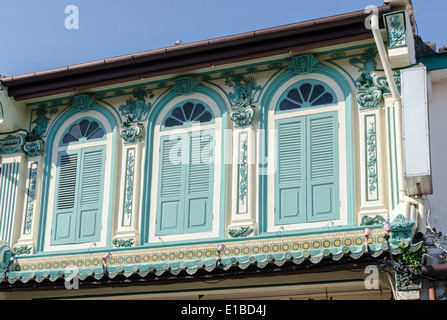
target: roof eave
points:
(298, 36)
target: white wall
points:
(437, 202)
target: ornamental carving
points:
(401, 229)
(244, 91)
(371, 159)
(366, 64)
(131, 132)
(242, 117)
(82, 103)
(136, 107)
(369, 98)
(303, 64)
(33, 148)
(396, 31)
(42, 120)
(241, 232)
(13, 142)
(184, 85)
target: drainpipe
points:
(397, 102)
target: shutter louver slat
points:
(91, 180)
(289, 152)
(171, 170)
(290, 191)
(322, 148)
(307, 176)
(67, 182)
(199, 169)
(322, 184)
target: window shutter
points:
(90, 194)
(307, 174)
(322, 163)
(171, 183)
(65, 212)
(291, 176)
(79, 191)
(200, 182)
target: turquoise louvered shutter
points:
(307, 173)
(64, 217)
(322, 167)
(171, 185)
(185, 184)
(200, 182)
(90, 194)
(79, 190)
(291, 177)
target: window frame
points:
(273, 116)
(55, 148)
(160, 131)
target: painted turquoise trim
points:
(147, 171)
(62, 118)
(263, 150)
(435, 61)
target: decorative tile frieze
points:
(331, 245)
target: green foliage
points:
(413, 260)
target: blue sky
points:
(34, 36)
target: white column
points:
(243, 220)
(31, 205)
(126, 231)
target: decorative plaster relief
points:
(12, 142)
(131, 132)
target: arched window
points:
(306, 180)
(189, 112)
(86, 129)
(306, 94)
(79, 184)
(186, 170)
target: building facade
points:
(268, 160)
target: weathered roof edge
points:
(338, 28)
